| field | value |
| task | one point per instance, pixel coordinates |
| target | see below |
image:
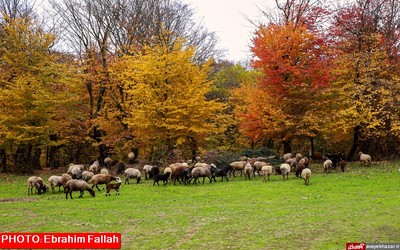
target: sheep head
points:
(92, 192)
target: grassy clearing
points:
(359, 205)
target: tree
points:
(37, 92)
(295, 70)
(101, 31)
(166, 105)
(366, 35)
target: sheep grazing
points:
(114, 186)
(77, 185)
(287, 156)
(292, 162)
(38, 183)
(328, 165)
(305, 161)
(237, 166)
(306, 174)
(298, 157)
(87, 175)
(55, 181)
(99, 179)
(65, 178)
(364, 158)
(161, 177)
(94, 167)
(120, 167)
(335, 158)
(75, 171)
(342, 165)
(257, 166)
(266, 171)
(107, 161)
(248, 169)
(285, 170)
(299, 169)
(104, 171)
(132, 173)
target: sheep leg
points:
(80, 196)
(97, 187)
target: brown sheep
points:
(77, 185)
(178, 171)
(101, 179)
(237, 166)
(65, 178)
(37, 182)
(115, 186)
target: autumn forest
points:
(85, 80)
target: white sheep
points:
(75, 171)
(285, 170)
(146, 170)
(298, 157)
(168, 170)
(287, 156)
(328, 165)
(306, 174)
(266, 171)
(201, 164)
(73, 166)
(104, 171)
(366, 159)
(55, 181)
(248, 169)
(132, 173)
(87, 175)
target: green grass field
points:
(362, 204)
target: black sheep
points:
(154, 171)
(161, 177)
(222, 172)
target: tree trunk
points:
(22, 159)
(312, 149)
(287, 146)
(36, 158)
(193, 148)
(3, 161)
(355, 143)
(51, 158)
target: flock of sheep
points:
(79, 179)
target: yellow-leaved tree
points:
(165, 105)
(38, 94)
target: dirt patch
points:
(18, 199)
